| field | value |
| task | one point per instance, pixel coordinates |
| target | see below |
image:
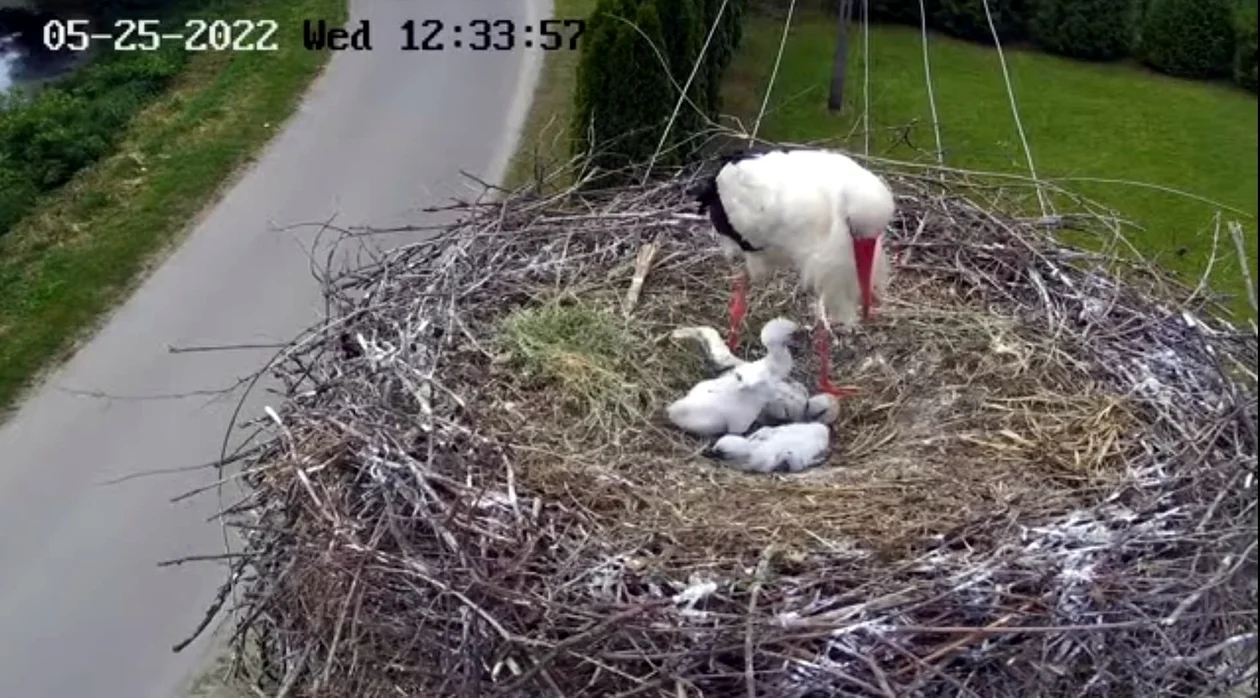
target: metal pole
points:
(839, 64)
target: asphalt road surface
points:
(84, 609)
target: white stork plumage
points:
(817, 211)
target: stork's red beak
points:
(864, 250)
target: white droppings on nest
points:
(697, 590)
(1151, 389)
(1198, 325)
(872, 361)
(1092, 310)
(1075, 578)
(845, 649)
(499, 500)
(606, 577)
(1182, 464)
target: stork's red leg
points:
(822, 345)
(739, 306)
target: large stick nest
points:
(1045, 487)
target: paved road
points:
(84, 610)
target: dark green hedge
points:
(1185, 38)
(683, 29)
(966, 19)
(624, 97)
(1188, 38)
(1245, 47)
(1088, 29)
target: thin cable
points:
(787, 23)
(682, 97)
(866, 77)
(1019, 126)
(927, 76)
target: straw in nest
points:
(1045, 487)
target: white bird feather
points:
(732, 402)
(802, 208)
(790, 447)
(728, 404)
(790, 401)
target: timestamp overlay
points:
(260, 35)
(150, 35)
(445, 35)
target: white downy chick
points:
(732, 402)
(728, 404)
(790, 403)
(793, 404)
(787, 448)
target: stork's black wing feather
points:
(710, 200)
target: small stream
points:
(9, 59)
(23, 58)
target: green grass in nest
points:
(583, 353)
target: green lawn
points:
(1082, 120)
(85, 246)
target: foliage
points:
(48, 136)
(722, 47)
(899, 11)
(967, 19)
(103, 9)
(17, 193)
(1245, 47)
(52, 137)
(1188, 38)
(1088, 29)
(681, 25)
(595, 74)
(80, 250)
(649, 95)
(142, 73)
(624, 97)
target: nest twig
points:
(1046, 487)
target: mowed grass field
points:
(85, 247)
(1082, 120)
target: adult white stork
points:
(816, 211)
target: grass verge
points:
(1082, 120)
(544, 137)
(85, 246)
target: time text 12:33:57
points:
(497, 35)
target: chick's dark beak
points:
(711, 451)
(799, 339)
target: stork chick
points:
(790, 401)
(732, 402)
(816, 211)
(791, 448)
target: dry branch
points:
(1046, 487)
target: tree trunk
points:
(840, 62)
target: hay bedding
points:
(1044, 488)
